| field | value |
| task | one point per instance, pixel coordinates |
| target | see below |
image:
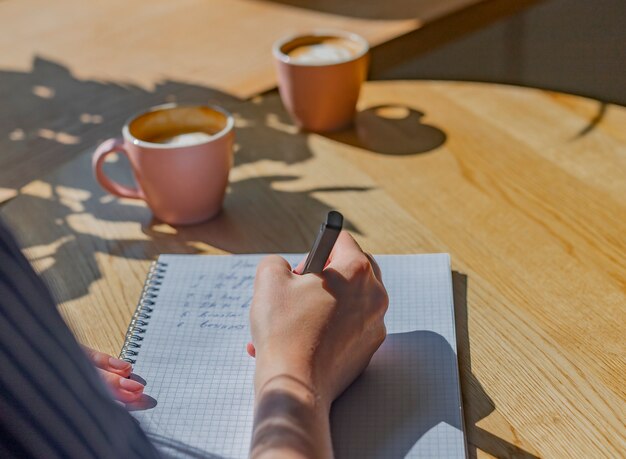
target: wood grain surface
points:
(525, 189)
(56, 58)
(222, 43)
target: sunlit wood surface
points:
(225, 44)
(526, 189)
(55, 57)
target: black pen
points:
(324, 243)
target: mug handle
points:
(107, 147)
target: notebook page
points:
(200, 378)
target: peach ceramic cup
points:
(180, 156)
(320, 91)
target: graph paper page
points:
(200, 379)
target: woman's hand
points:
(115, 373)
(312, 335)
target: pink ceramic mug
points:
(181, 157)
(320, 76)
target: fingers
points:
(251, 350)
(273, 267)
(123, 389)
(115, 373)
(377, 272)
(347, 258)
(345, 246)
(344, 250)
(108, 363)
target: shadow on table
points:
(256, 219)
(50, 116)
(391, 130)
(477, 404)
(254, 215)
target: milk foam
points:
(319, 53)
(184, 140)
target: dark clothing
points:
(52, 401)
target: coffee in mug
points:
(320, 76)
(181, 157)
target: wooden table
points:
(72, 70)
(225, 44)
(524, 188)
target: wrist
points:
(299, 390)
(291, 420)
(295, 378)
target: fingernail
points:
(130, 385)
(118, 364)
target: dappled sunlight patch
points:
(6, 194)
(112, 158)
(132, 202)
(242, 122)
(272, 120)
(89, 224)
(164, 228)
(392, 112)
(88, 118)
(45, 92)
(40, 252)
(76, 194)
(61, 137)
(106, 199)
(39, 189)
(72, 198)
(43, 264)
(17, 134)
(203, 247)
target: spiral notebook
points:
(188, 338)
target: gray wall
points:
(574, 46)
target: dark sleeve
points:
(52, 402)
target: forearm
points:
(290, 421)
(312, 335)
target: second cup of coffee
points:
(320, 76)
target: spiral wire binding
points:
(143, 312)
